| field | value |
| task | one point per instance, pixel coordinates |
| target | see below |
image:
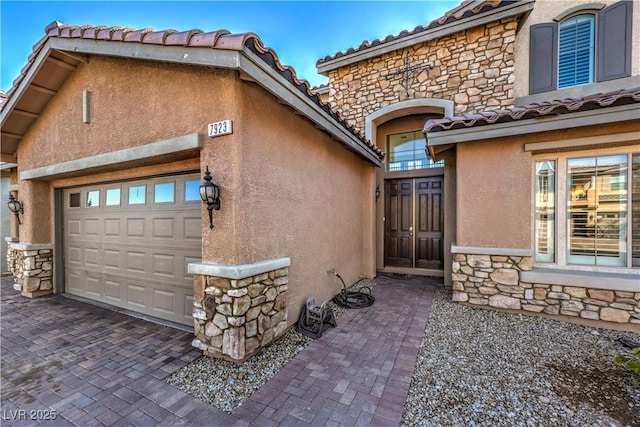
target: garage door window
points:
(137, 195)
(192, 191)
(93, 198)
(164, 192)
(74, 200)
(113, 197)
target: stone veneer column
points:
(495, 281)
(237, 310)
(32, 267)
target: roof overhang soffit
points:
(515, 9)
(245, 61)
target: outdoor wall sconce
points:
(377, 191)
(15, 207)
(209, 193)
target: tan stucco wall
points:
(287, 188)
(299, 194)
(493, 194)
(495, 184)
(546, 11)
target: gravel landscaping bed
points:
(478, 367)
(227, 385)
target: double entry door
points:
(414, 221)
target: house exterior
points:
(522, 105)
(466, 149)
(110, 129)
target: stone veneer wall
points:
(235, 318)
(473, 68)
(489, 280)
(32, 267)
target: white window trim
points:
(561, 160)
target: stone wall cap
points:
(31, 246)
(473, 250)
(10, 239)
(238, 271)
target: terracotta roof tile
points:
(554, 107)
(221, 39)
(464, 10)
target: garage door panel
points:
(112, 227)
(192, 229)
(94, 287)
(113, 292)
(135, 228)
(163, 228)
(135, 256)
(73, 228)
(164, 301)
(91, 256)
(112, 259)
(164, 265)
(92, 227)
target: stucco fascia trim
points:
(217, 58)
(518, 8)
(602, 140)
(471, 250)
(272, 81)
(167, 146)
(583, 279)
(540, 124)
(31, 246)
(241, 271)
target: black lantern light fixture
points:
(209, 193)
(377, 191)
(16, 207)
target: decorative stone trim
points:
(234, 318)
(32, 268)
(495, 281)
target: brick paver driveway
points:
(85, 365)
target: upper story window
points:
(576, 51)
(587, 47)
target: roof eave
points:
(515, 9)
(274, 83)
(599, 116)
(264, 75)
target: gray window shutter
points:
(614, 41)
(543, 57)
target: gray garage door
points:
(128, 244)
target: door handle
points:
(410, 231)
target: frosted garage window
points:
(74, 200)
(192, 190)
(113, 197)
(164, 193)
(93, 198)
(137, 195)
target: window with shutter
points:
(576, 51)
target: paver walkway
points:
(93, 366)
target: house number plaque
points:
(224, 127)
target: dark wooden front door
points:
(414, 219)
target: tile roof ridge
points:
(544, 108)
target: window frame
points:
(593, 46)
(561, 211)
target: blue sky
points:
(300, 32)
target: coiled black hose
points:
(352, 299)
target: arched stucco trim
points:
(583, 8)
(403, 108)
